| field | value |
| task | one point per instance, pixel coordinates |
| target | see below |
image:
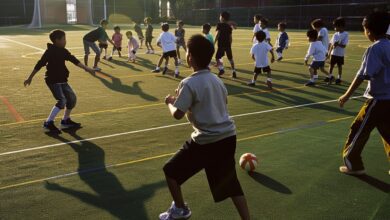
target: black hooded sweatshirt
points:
(54, 60)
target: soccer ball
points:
(248, 162)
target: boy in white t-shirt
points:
(259, 54)
(256, 28)
(263, 26)
(323, 34)
(318, 51)
(167, 41)
(132, 46)
(337, 49)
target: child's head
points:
(263, 22)
(103, 23)
(376, 24)
(180, 23)
(282, 26)
(129, 34)
(312, 35)
(224, 16)
(206, 28)
(147, 20)
(58, 38)
(165, 27)
(257, 18)
(200, 52)
(317, 24)
(260, 36)
(339, 24)
(117, 29)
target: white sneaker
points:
(152, 52)
(345, 170)
(176, 213)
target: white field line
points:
(162, 127)
(21, 43)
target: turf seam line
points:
(12, 110)
(162, 127)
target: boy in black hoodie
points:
(56, 78)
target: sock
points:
(220, 67)
(339, 77)
(157, 68)
(279, 54)
(315, 77)
(67, 114)
(269, 79)
(54, 111)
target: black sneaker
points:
(156, 71)
(310, 83)
(326, 79)
(338, 81)
(251, 84)
(49, 126)
(165, 70)
(234, 75)
(221, 72)
(331, 79)
(68, 123)
(280, 59)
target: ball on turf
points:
(248, 162)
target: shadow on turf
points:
(108, 192)
(374, 182)
(115, 84)
(270, 183)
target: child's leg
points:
(175, 191)
(142, 42)
(241, 206)
(340, 70)
(331, 67)
(58, 94)
(383, 125)
(178, 51)
(147, 45)
(324, 71)
(86, 59)
(176, 66)
(119, 53)
(113, 50)
(151, 47)
(71, 100)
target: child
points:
(206, 32)
(256, 28)
(132, 46)
(263, 27)
(374, 113)
(180, 40)
(259, 53)
(56, 78)
(318, 51)
(337, 49)
(149, 35)
(99, 34)
(117, 38)
(212, 146)
(224, 39)
(323, 35)
(103, 47)
(166, 41)
(282, 40)
(138, 30)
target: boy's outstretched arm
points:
(86, 68)
(41, 63)
(27, 82)
(176, 113)
(273, 56)
(354, 85)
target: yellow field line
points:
(151, 158)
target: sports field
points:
(112, 167)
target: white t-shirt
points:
(167, 40)
(203, 96)
(325, 37)
(256, 29)
(260, 52)
(132, 44)
(342, 38)
(317, 50)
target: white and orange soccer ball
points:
(248, 162)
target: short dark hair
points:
(317, 23)
(180, 22)
(206, 27)
(201, 50)
(260, 36)
(377, 22)
(282, 25)
(165, 27)
(56, 35)
(339, 22)
(103, 22)
(225, 15)
(264, 21)
(117, 27)
(312, 34)
(258, 16)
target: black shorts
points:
(221, 52)
(103, 46)
(264, 69)
(148, 39)
(336, 60)
(117, 48)
(218, 161)
(171, 53)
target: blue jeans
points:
(88, 44)
(64, 95)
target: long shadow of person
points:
(116, 84)
(270, 183)
(110, 194)
(374, 182)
